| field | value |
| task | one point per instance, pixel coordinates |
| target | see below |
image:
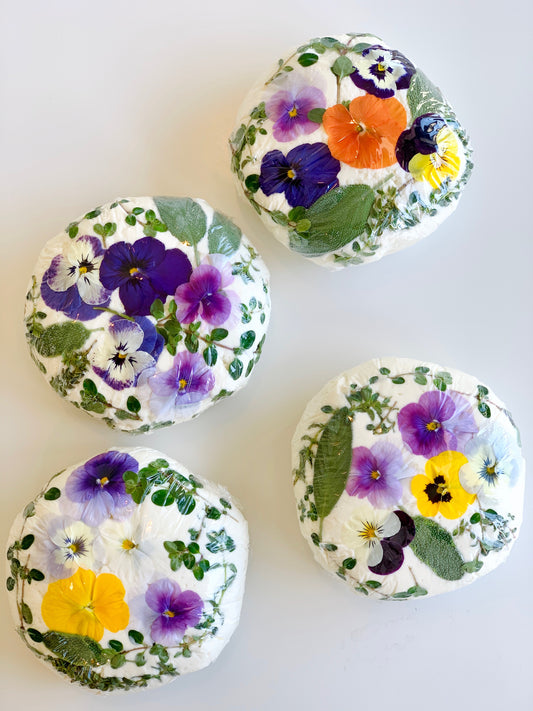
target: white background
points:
(123, 98)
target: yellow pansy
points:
(445, 162)
(86, 604)
(439, 490)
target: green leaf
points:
(116, 645)
(484, 409)
(27, 541)
(359, 48)
(373, 584)
(162, 497)
(235, 368)
(336, 219)
(399, 380)
(52, 494)
(219, 334)
(198, 572)
(247, 339)
(332, 462)
(133, 404)
(424, 97)
(224, 237)
(220, 541)
(186, 504)
(62, 338)
(342, 67)
(315, 115)
(35, 574)
(421, 379)
(35, 635)
(472, 566)
(307, 59)
(434, 546)
(90, 387)
(193, 548)
(117, 661)
(475, 518)
(183, 217)
(157, 309)
(349, 563)
(384, 371)
(26, 613)
(130, 220)
(210, 355)
(136, 637)
(10, 583)
(252, 182)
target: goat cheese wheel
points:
(146, 311)
(409, 478)
(348, 152)
(127, 570)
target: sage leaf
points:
(74, 648)
(223, 236)
(424, 97)
(62, 338)
(434, 546)
(332, 462)
(183, 217)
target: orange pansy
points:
(365, 135)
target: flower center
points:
(291, 174)
(293, 112)
(169, 613)
(375, 474)
(490, 471)
(432, 426)
(85, 266)
(182, 383)
(133, 271)
(102, 482)
(380, 67)
(437, 491)
(128, 545)
(73, 547)
(121, 356)
(369, 532)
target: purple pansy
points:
(176, 610)
(125, 351)
(288, 109)
(305, 174)
(421, 137)
(375, 474)
(205, 296)
(143, 272)
(381, 71)
(71, 283)
(187, 382)
(439, 421)
(98, 487)
(392, 546)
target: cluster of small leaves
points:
(373, 586)
(441, 379)
(72, 228)
(247, 311)
(93, 401)
(22, 572)
(230, 573)
(488, 531)
(245, 136)
(106, 230)
(306, 505)
(75, 365)
(176, 488)
(150, 222)
(187, 555)
(482, 397)
(33, 322)
(244, 268)
(378, 409)
(319, 543)
(220, 541)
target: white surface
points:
(104, 98)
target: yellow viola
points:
(445, 162)
(439, 490)
(86, 604)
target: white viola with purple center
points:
(409, 478)
(127, 571)
(146, 311)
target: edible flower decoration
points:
(176, 610)
(288, 109)
(381, 71)
(375, 474)
(439, 489)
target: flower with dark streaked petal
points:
(381, 71)
(439, 421)
(305, 174)
(375, 474)
(98, 487)
(288, 109)
(439, 489)
(205, 295)
(143, 272)
(127, 349)
(188, 382)
(65, 544)
(71, 283)
(377, 537)
(176, 610)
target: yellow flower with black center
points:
(86, 604)
(444, 162)
(439, 490)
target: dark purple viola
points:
(305, 174)
(392, 546)
(71, 284)
(98, 487)
(125, 351)
(143, 272)
(288, 109)
(205, 295)
(438, 422)
(381, 71)
(421, 137)
(375, 474)
(188, 381)
(176, 610)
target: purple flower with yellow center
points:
(288, 109)
(205, 295)
(143, 272)
(71, 283)
(438, 422)
(375, 474)
(176, 610)
(187, 382)
(97, 487)
(377, 538)
(306, 173)
(125, 351)
(381, 71)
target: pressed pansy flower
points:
(66, 545)
(365, 135)
(381, 71)
(306, 173)
(429, 150)
(492, 466)
(378, 537)
(143, 272)
(128, 348)
(98, 489)
(439, 421)
(439, 489)
(188, 382)
(205, 295)
(71, 283)
(86, 604)
(375, 474)
(288, 108)
(176, 610)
